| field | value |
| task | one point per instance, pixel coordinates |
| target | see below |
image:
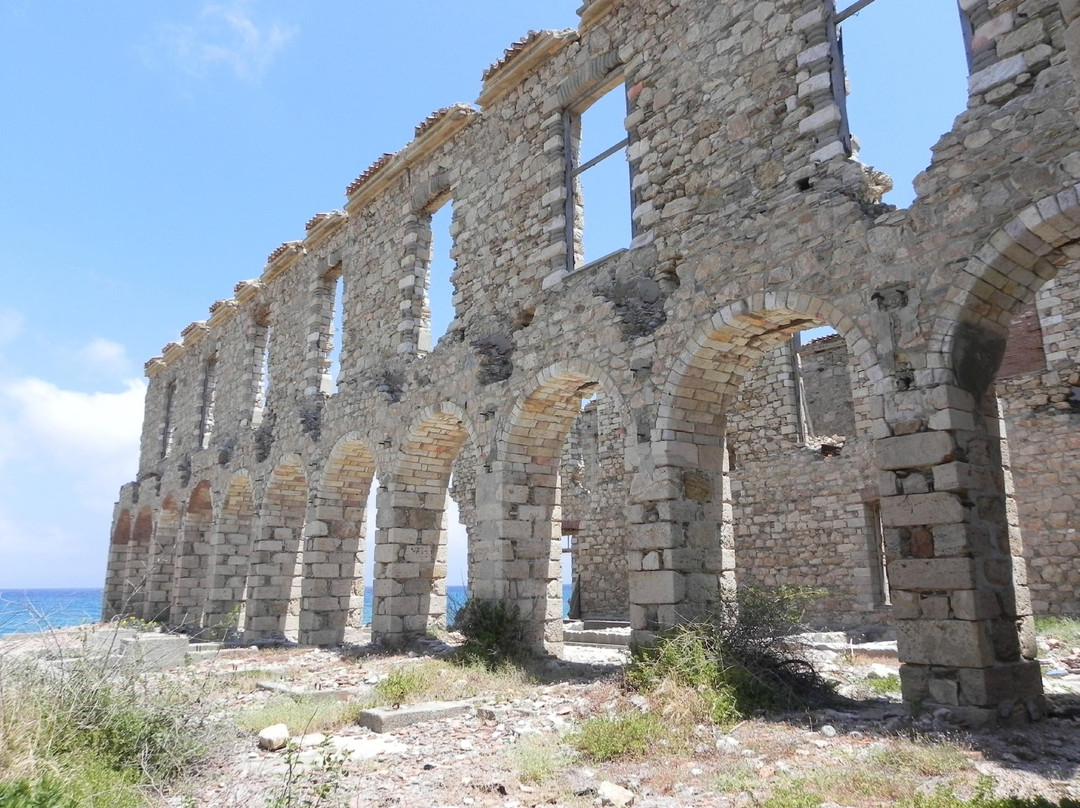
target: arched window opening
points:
(900, 99)
(592, 555)
(206, 415)
(599, 203)
(803, 491)
(167, 426)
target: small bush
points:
(537, 760)
(46, 792)
(884, 685)
(401, 684)
(741, 660)
(627, 735)
(493, 630)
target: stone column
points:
(681, 556)
(965, 633)
(517, 556)
(410, 560)
(332, 588)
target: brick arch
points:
(707, 375)
(162, 559)
(332, 593)
(117, 564)
(229, 552)
(1002, 277)
(273, 580)
(410, 544)
(191, 558)
(136, 572)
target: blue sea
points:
(28, 610)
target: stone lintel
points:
(520, 61)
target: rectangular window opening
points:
(167, 427)
(599, 203)
(438, 310)
(206, 419)
(264, 335)
(333, 337)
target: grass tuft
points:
(627, 735)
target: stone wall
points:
(752, 220)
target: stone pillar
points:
(517, 553)
(331, 595)
(410, 560)
(681, 556)
(965, 633)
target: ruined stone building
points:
(654, 403)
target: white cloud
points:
(105, 356)
(226, 35)
(77, 429)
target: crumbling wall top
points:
(519, 61)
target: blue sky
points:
(153, 154)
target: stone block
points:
(977, 604)
(951, 643)
(663, 586)
(932, 574)
(922, 509)
(913, 451)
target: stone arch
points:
(971, 328)
(232, 538)
(136, 573)
(333, 587)
(192, 554)
(522, 549)
(161, 561)
(273, 582)
(710, 371)
(952, 528)
(684, 559)
(410, 543)
(117, 564)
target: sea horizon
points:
(32, 610)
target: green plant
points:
(401, 684)
(741, 660)
(1066, 629)
(493, 630)
(314, 715)
(96, 726)
(792, 794)
(884, 685)
(607, 738)
(45, 792)
(537, 759)
(317, 785)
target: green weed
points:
(629, 735)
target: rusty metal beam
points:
(854, 8)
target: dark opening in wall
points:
(599, 203)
